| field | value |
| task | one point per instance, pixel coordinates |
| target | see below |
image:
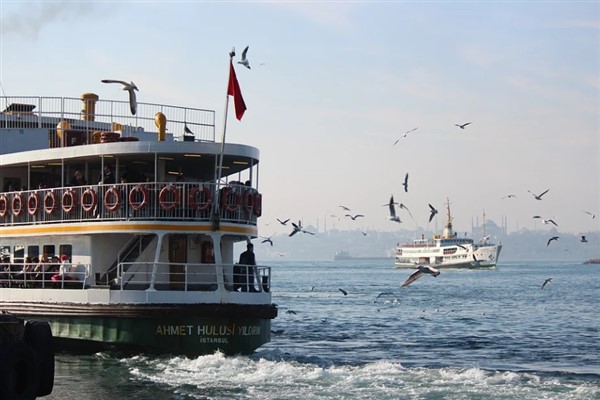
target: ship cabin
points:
(146, 202)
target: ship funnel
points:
(89, 106)
(161, 123)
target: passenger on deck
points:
(78, 179)
(107, 177)
(247, 262)
(63, 270)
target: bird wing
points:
(552, 222)
(413, 277)
(244, 52)
(132, 101)
(294, 232)
(392, 209)
(541, 194)
(115, 81)
(432, 208)
(343, 291)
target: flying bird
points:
(344, 208)
(462, 247)
(283, 222)
(583, 239)
(547, 281)
(353, 217)
(551, 239)
(538, 196)
(268, 240)
(343, 291)
(589, 213)
(244, 60)
(421, 270)
(392, 206)
(298, 228)
(475, 260)
(131, 88)
(187, 130)
(546, 221)
(433, 212)
(405, 183)
(462, 126)
(508, 196)
(404, 135)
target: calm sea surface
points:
(467, 334)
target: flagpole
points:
(215, 207)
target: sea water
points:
(466, 334)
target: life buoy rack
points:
(89, 199)
(50, 202)
(3, 205)
(166, 203)
(204, 193)
(68, 201)
(33, 204)
(112, 199)
(133, 199)
(17, 204)
(257, 204)
(248, 201)
(230, 200)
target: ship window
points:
(33, 251)
(66, 250)
(5, 253)
(19, 254)
(49, 250)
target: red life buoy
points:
(3, 205)
(248, 201)
(17, 205)
(200, 205)
(33, 204)
(138, 204)
(230, 199)
(68, 201)
(166, 204)
(50, 202)
(110, 204)
(89, 199)
(257, 204)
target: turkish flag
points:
(234, 90)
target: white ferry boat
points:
(448, 251)
(144, 262)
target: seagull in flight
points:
(268, 240)
(433, 212)
(551, 239)
(463, 247)
(298, 228)
(405, 183)
(283, 222)
(589, 213)
(392, 206)
(131, 88)
(583, 239)
(244, 60)
(508, 196)
(476, 261)
(462, 126)
(344, 208)
(343, 291)
(403, 136)
(421, 270)
(547, 281)
(353, 217)
(187, 130)
(546, 221)
(538, 196)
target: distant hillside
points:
(523, 245)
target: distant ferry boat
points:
(592, 261)
(448, 251)
(343, 255)
(142, 258)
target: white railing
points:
(45, 275)
(185, 201)
(192, 277)
(39, 112)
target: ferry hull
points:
(487, 258)
(189, 331)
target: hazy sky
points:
(334, 84)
